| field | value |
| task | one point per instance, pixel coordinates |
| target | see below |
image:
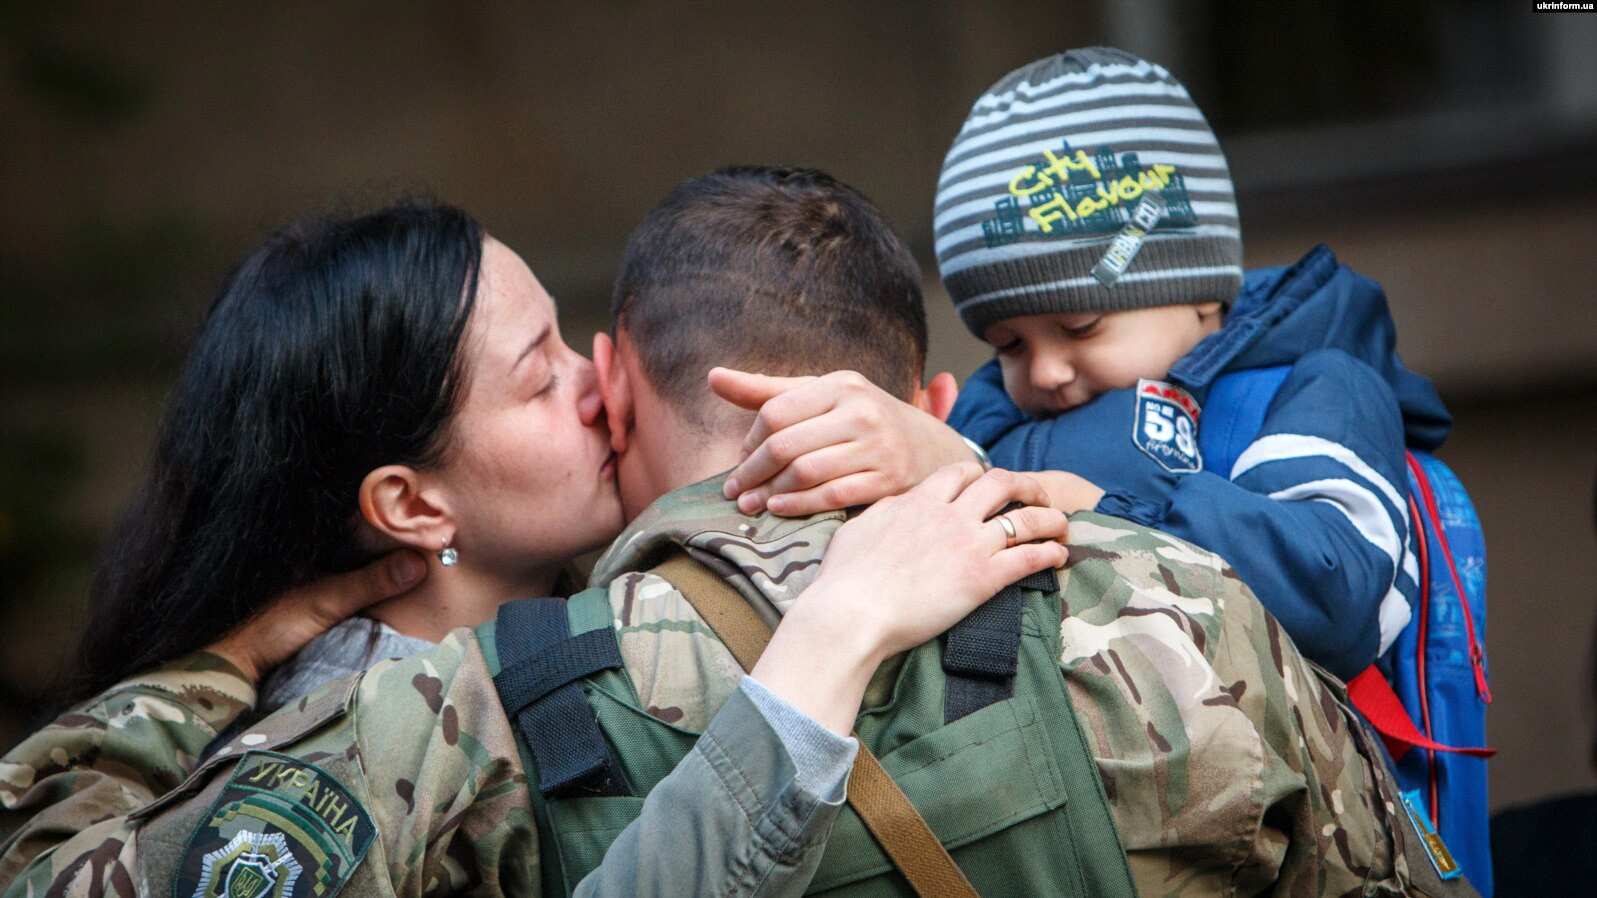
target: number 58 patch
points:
(1167, 426)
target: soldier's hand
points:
(306, 612)
(834, 441)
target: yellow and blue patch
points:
(281, 828)
(1430, 839)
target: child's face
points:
(1053, 363)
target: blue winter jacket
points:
(1313, 515)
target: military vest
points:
(1009, 787)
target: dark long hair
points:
(332, 349)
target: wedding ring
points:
(1009, 531)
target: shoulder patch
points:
(281, 828)
(1166, 426)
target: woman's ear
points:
(614, 390)
(395, 502)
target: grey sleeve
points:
(738, 816)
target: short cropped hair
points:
(776, 270)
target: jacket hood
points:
(1285, 312)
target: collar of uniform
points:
(779, 555)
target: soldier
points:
(1148, 684)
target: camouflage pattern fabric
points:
(114, 753)
(1232, 765)
(421, 743)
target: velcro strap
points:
(980, 653)
(563, 662)
(987, 642)
(1042, 581)
(539, 685)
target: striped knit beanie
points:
(1085, 182)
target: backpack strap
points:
(900, 829)
(1373, 696)
(541, 666)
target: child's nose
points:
(1049, 373)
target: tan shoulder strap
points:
(879, 802)
(727, 613)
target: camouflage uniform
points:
(97, 803)
(1231, 765)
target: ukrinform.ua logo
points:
(1561, 6)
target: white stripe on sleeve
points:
(1360, 506)
(1280, 446)
(1394, 616)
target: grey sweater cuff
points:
(821, 758)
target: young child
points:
(1086, 227)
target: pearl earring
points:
(447, 556)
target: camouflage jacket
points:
(407, 776)
(1231, 764)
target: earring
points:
(447, 556)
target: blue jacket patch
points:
(1166, 426)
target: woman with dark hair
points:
(330, 411)
(398, 381)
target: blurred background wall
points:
(1444, 149)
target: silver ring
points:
(1010, 536)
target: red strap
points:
(1373, 697)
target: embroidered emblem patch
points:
(1166, 427)
(1070, 194)
(281, 828)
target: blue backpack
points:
(1432, 698)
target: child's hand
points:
(1068, 492)
(828, 442)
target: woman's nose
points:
(590, 404)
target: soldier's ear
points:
(615, 390)
(937, 397)
(402, 505)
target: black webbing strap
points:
(540, 666)
(980, 652)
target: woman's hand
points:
(902, 572)
(306, 612)
(828, 442)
